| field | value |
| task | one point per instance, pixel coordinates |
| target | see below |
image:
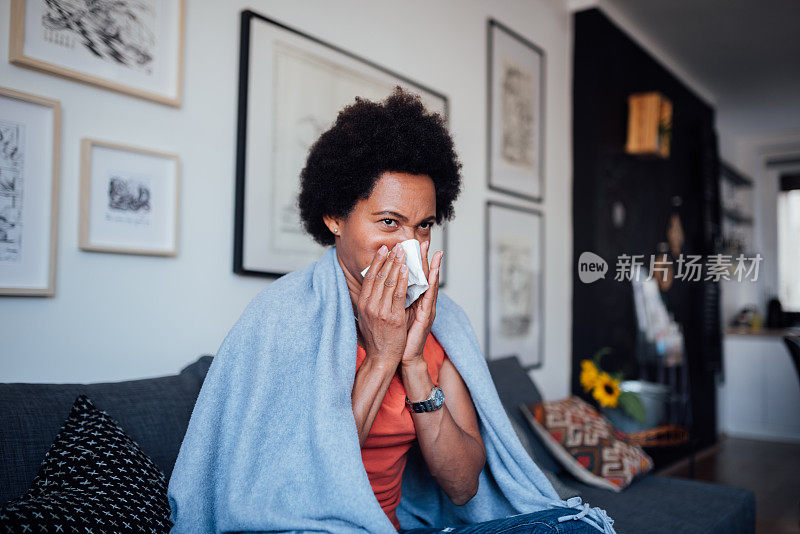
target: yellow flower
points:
(589, 374)
(606, 390)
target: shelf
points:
(735, 216)
(661, 436)
(734, 177)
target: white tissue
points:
(417, 283)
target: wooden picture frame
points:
(125, 206)
(137, 56)
(514, 291)
(28, 267)
(515, 114)
(268, 238)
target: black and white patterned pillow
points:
(94, 479)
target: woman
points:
(297, 429)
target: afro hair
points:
(369, 138)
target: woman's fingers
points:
(390, 284)
(435, 287)
(437, 259)
(399, 300)
(369, 278)
(424, 248)
(425, 312)
(429, 298)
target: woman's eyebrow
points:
(402, 217)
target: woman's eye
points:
(429, 225)
(390, 220)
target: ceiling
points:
(743, 51)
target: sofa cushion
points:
(94, 477)
(515, 387)
(154, 412)
(588, 446)
(661, 505)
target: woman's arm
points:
(382, 320)
(449, 438)
(369, 389)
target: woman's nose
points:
(405, 235)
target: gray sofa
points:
(155, 413)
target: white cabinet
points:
(759, 396)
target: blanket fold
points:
(272, 444)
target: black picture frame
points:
(247, 19)
(492, 180)
(527, 360)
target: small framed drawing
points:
(131, 46)
(516, 81)
(291, 88)
(30, 137)
(515, 288)
(129, 199)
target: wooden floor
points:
(771, 469)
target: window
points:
(789, 242)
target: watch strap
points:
(427, 405)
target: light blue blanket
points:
(272, 443)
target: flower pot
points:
(654, 397)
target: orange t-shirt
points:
(393, 433)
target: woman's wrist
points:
(416, 379)
(380, 363)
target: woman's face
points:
(402, 206)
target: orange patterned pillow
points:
(586, 444)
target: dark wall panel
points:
(608, 67)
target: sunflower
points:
(606, 390)
(589, 374)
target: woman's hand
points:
(423, 310)
(381, 307)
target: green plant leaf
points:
(632, 405)
(599, 354)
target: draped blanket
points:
(272, 443)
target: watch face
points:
(438, 397)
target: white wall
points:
(749, 152)
(118, 317)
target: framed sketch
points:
(291, 88)
(131, 46)
(30, 137)
(515, 287)
(516, 81)
(129, 199)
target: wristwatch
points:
(434, 401)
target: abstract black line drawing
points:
(297, 125)
(12, 155)
(517, 116)
(515, 283)
(129, 199)
(516, 286)
(291, 88)
(120, 31)
(121, 195)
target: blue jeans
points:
(542, 522)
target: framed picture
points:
(129, 199)
(515, 287)
(515, 151)
(30, 137)
(291, 88)
(131, 46)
